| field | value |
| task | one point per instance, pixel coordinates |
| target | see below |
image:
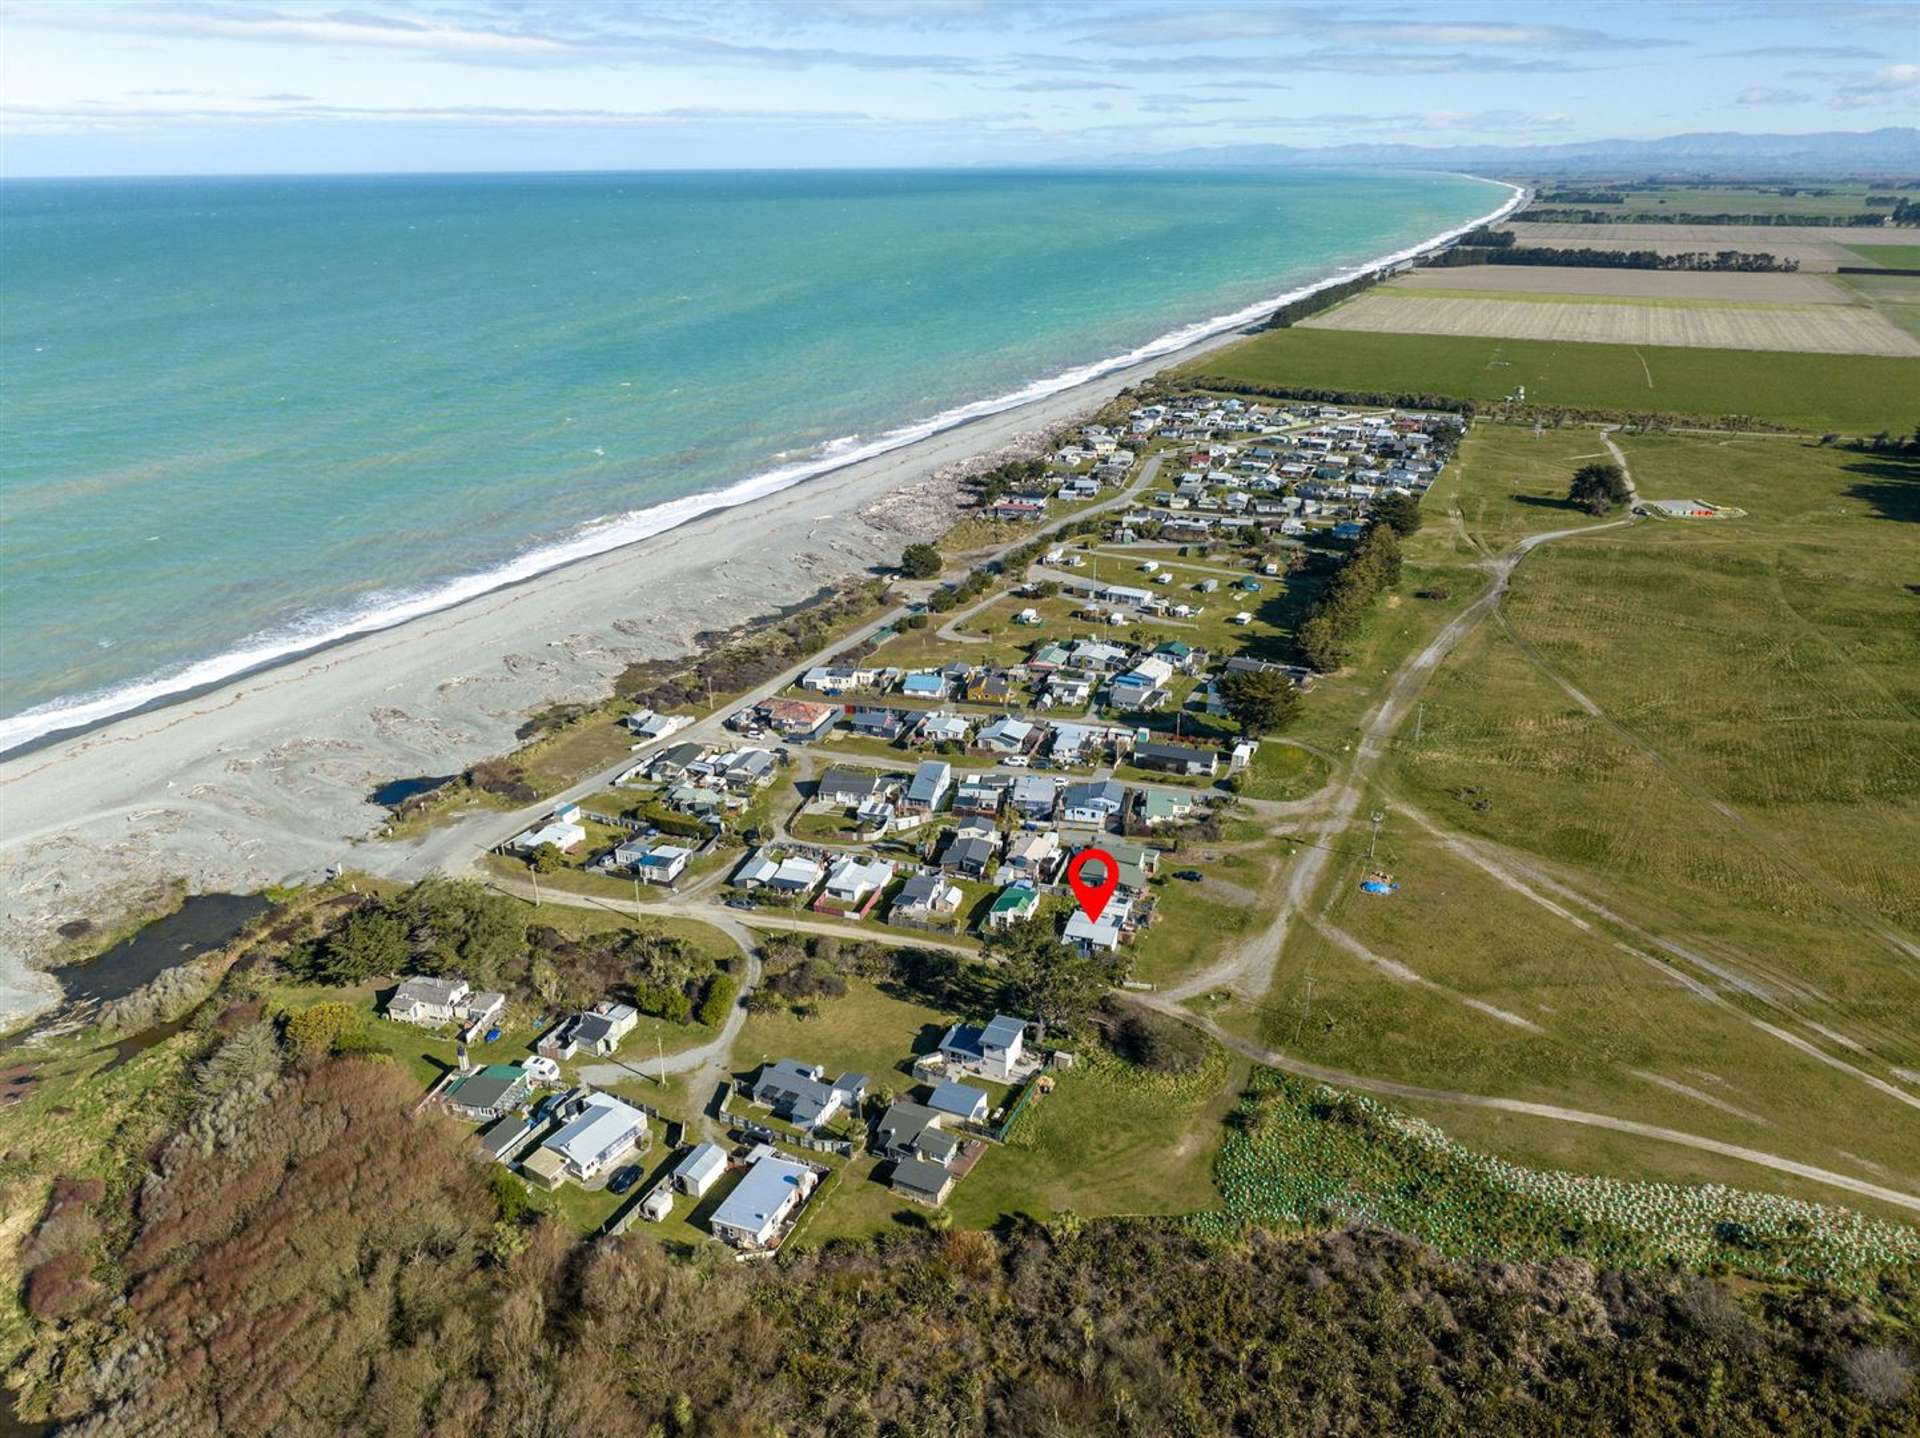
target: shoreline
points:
(251, 779)
(75, 715)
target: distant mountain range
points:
(1893, 149)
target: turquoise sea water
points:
(240, 417)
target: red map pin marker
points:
(1093, 897)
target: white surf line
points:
(385, 610)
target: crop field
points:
(1895, 296)
(1693, 324)
(1713, 237)
(1685, 286)
(1718, 200)
(1304, 1155)
(1856, 394)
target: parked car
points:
(625, 1179)
(1190, 876)
(739, 903)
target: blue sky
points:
(360, 85)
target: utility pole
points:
(536, 885)
(660, 1053)
(1378, 817)
(1419, 718)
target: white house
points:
(751, 1216)
(562, 834)
(995, 1049)
(852, 879)
(605, 1131)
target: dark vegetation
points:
(920, 561)
(1743, 261)
(1690, 217)
(1397, 399)
(1372, 568)
(370, 1277)
(1261, 701)
(735, 660)
(1599, 488)
(1307, 306)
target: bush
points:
(717, 1002)
(921, 561)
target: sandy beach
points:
(267, 778)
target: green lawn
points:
(1889, 257)
(1851, 393)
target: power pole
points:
(536, 885)
(1375, 837)
(1419, 718)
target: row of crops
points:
(1306, 1155)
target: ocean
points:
(239, 418)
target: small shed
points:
(657, 1204)
(700, 1170)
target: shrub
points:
(717, 1002)
(921, 561)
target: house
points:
(1015, 904)
(431, 1002)
(672, 762)
(911, 1130)
(1164, 806)
(802, 1096)
(1347, 529)
(942, 729)
(1034, 796)
(489, 1092)
(960, 1101)
(970, 853)
(926, 901)
(1183, 657)
(764, 870)
(646, 725)
(995, 1049)
(1068, 688)
(1174, 758)
(598, 1030)
(652, 861)
(921, 1181)
(563, 835)
(1138, 863)
(1018, 506)
(825, 679)
(603, 1133)
(885, 725)
(929, 787)
(992, 687)
(766, 1198)
(847, 788)
(1097, 656)
(1093, 803)
(1049, 656)
(1007, 735)
(924, 686)
(1100, 935)
(504, 1135)
(700, 1170)
(798, 719)
(981, 795)
(852, 879)
(1030, 854)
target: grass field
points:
(1897, 297)
(1852, 393)
(1889, 257)
(1692, 324)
